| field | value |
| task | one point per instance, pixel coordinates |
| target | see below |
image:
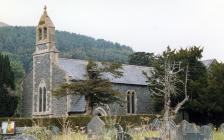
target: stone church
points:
(49, 71)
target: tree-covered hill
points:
(19, 43)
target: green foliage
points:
(98, 91)
(197, 76)
(141, 59)
(212, 103)
(40, 133)
(8, 100)
(20, 43)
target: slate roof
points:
(208, 62)
(132, 74)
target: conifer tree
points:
(8, 101)
(97, 90)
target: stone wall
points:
(41, 72)
(143, 100)
(59, 104)
(27, 95)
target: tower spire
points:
(45, 8)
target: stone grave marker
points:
(172, 128)
(207, 132)
(95, 127)
(169, 130)
(222, 128)
(192, 132)
(182, 129)
(155, 124)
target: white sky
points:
(145, 25)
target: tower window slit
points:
(39, 34)
(45, 33)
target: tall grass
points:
(218, 136)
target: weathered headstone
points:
(96, 126)
(155, 124)
(222, 128)
(192, 132)
(181, 130)
(54, 129)
(193, 136)
(207, 132)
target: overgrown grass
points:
(218, 136)
(136, 136)
(73, 136)
(142, 135)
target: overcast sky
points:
(145, 25)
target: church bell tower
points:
(45, 35)
(44, 58)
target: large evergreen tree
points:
(97, 90)
(8, 100)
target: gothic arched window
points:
(128, 102)
(40, 99)
(131, 103)
(44, 100)
(45, 32)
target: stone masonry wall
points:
(143, 104)
(27, 95)
(59, 104)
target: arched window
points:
(44, 100)
(39, 34)
(131, 103)
(128, 102)
(45, 32)
(40, 99)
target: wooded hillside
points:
(19, 43)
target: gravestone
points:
(192, 128)
(193, 136)
(192, 132)
(181, 130)
(120, 131)
(96, 126)
(222, 128)
(54, 129)
(155, 124)
(207, 132)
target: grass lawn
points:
(136, 136)
(218, 136)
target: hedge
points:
(81, 121)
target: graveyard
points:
(110, 128)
